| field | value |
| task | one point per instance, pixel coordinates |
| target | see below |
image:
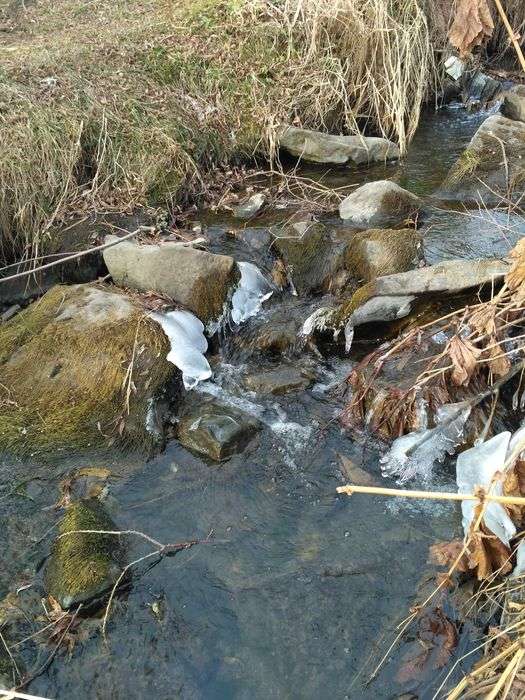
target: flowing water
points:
(299, 592)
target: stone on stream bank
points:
(83, 567)
(492, 167)
(316, 147)
(66, 363)
(198, 280)
(379, 252)
(377, 204)
(513, 106)
(216, 431)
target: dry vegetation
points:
(116, 104)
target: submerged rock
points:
(83, 567)
(81, 368)
(492, 167)
(198, 280)
(317, 147)
(216, 431)
(380, 203)
(281, 380)
(250, 207)
(379, 252)
(309, 253)
(513, 106)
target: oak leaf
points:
(472, 25)
(464, 357)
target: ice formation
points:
(188, 345)
(252, 291)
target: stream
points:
(301, 592)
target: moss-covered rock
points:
(83, 567)
(492, 167)
(310, 254)
(80, 369)
(379, 252)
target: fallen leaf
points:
(446, 553)
(464, 357)
(472, 25)
(515, 278)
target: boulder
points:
(71, 375)
(316, 147)
(492, 167)
(277, 381)
(196, 279)
(83, 567)
(380, 203)
(216, 431)
(309, 253)
(379, 252)
(513, 106)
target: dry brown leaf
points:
(464, 357)
(472, 25)
(515, 278)
(446, 553)
(499, 364)
(488, 554)
(514, 485)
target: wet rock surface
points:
(216, 431)
(318, 147)
(379, 252)
(83, 567)
(198, 280)
(513, 106)
(380, 203)
(281, 380)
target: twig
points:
(512, 34)
(480, 495)
(97, 248)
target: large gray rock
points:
(317, 147)
(513, 106)
(380, 203)
(196, 279)
(379, 252)
(492, 167)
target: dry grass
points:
(116, 104)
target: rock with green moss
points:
(199, 280)
(310, 254)
(379, 252)
(492, 167)
(380, 203)
(82, 368)
(83, 567)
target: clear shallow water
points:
(300, 596)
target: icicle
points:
(188, 345)
(415, 454)
(477, 467)
(249, 296)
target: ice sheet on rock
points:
(188, 345)
(414, 455)
(477, 467)
(252, 291)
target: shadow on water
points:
(301, 596)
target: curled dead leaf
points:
(464, 358)
(472, 25)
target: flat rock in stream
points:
(216, 431)
(492, 167)
(83, 567)
(316, 147)
(64, 372)
(377, 204)
(391, 297)
(198, 280)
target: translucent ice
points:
(252, 291)
(188, 345)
